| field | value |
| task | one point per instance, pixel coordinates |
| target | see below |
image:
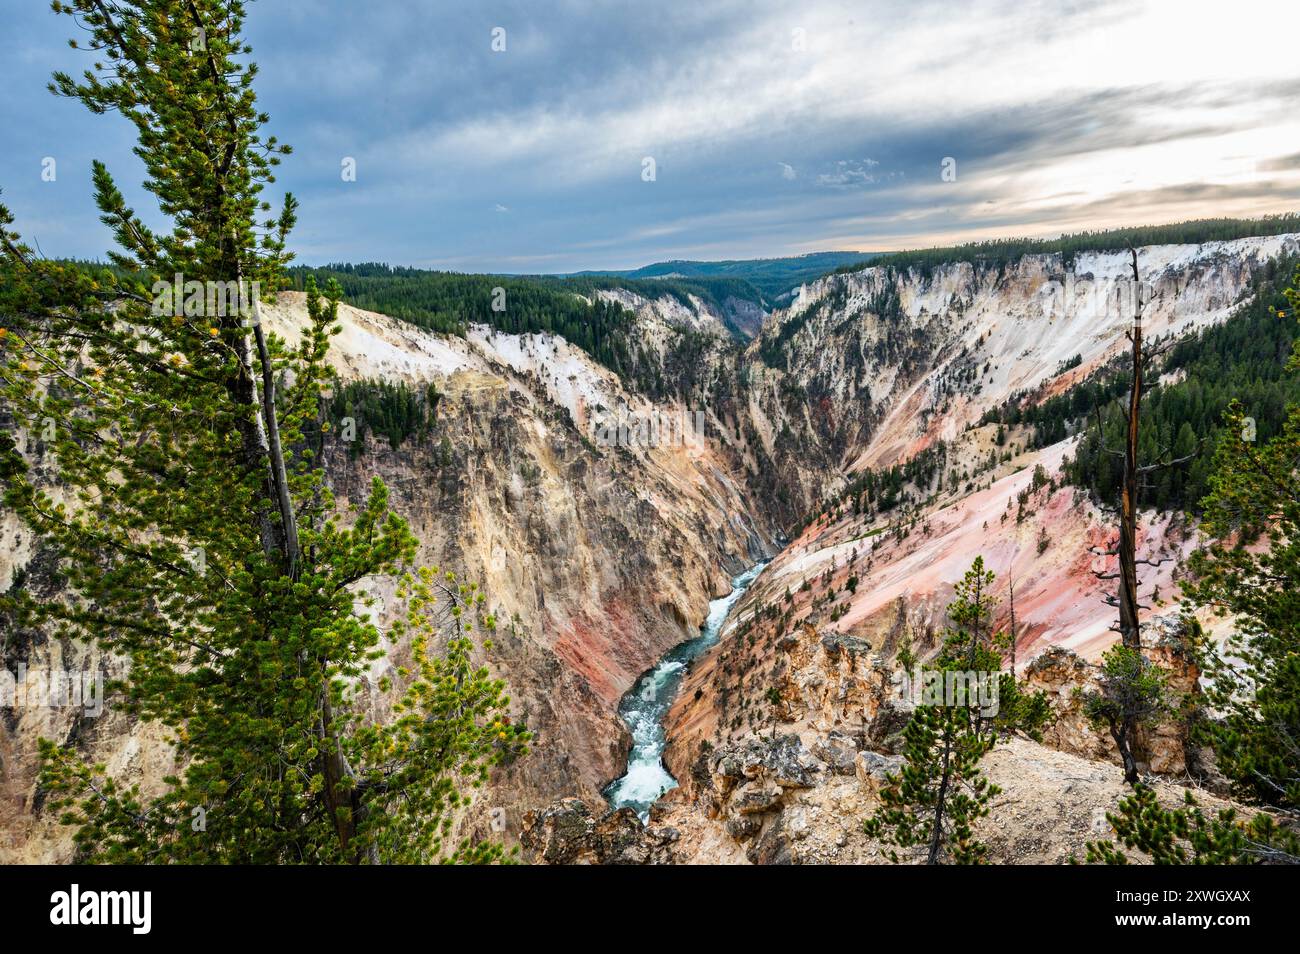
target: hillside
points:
(605, 554)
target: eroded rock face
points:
(831, 684)
(796, 794)
(1064, 676)
(781, 759)
(570, 833)
(838, 751)
(1167, 747)
(799, 793)
(885, 732)
(895, 363)
(596, 560)
(1163, 748)
(752, 783)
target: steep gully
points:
(644, 707)
(983, 337)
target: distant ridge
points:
(773, 277)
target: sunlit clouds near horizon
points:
(514, 136)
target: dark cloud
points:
(1281, 164)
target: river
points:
(644, 707)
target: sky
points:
(543, 136)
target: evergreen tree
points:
(1132, 694)
(941, 791)
(195, 533)
(1254, 498)
(394, 411)
(1187, 835)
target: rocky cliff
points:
(598, 558)
(785, 755)
(601, 554)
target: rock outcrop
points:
(1165, 748)
(799, 793)
(570, 833)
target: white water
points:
(644, 707)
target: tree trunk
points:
(279, 473)
(1122, 734)
(1011, 585)
(335, 769)
(1128, 584)
(936, 836)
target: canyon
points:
(602, 556)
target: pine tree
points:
(194, 530)
(1187, 835)
(1255, 495)
(1132, 694)
(941, 791)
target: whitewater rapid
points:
(644, 707)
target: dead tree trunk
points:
(1128, 582)
(1125, 598)
(1124, 732)
(1011, 641)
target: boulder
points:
(782, 759)
(756, 797)
(885, 731)
(838, 751)
(873, 768)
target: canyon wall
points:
(598, 557)
(958, 342)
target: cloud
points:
(1279, 163)
(849, 172)
(1112, 125)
